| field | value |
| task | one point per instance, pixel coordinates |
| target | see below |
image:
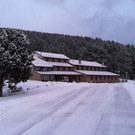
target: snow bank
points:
(130, 87)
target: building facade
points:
(58, 67)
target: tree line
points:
(118, 58)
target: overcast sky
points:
(107, 19)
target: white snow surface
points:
(61, 64)
(58, 108)
(85, 63)
(59, 73)
(52, 55)
(96, 73)
(40, 63)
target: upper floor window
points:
(59, 60)
(46, 59)
(37, 68)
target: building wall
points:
(82, 78)
(99, 79)
(58, 68)
(56, 60)
(36, 76)
(89, 68)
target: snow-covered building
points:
(58, 67)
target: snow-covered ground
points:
(50, 108)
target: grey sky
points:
(107, 19)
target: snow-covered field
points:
(50, 108)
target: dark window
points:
(95, 77)
(100, 78)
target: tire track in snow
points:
(89, 114)
(59, 119)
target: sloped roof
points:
(52, 55)
(85, 63)
(96, 73)
(59, 73)
(40, 63)
(60, 64)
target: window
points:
(61, 68)
(91, 77)
(100, 78)
(43, 69)
(80, 67)
(95, 77)
(49, 69)
(37, 68)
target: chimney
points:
(79, 60)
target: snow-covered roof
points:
(60, 64)
(96, 73)
(59, 73)
(40, 63)
(85, 63)
(52, 55)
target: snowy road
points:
(69, 109)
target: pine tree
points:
(15, 59)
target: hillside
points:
(117, 57)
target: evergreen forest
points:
(118, 58)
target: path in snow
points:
(90, 109)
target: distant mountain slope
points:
(117, 57)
